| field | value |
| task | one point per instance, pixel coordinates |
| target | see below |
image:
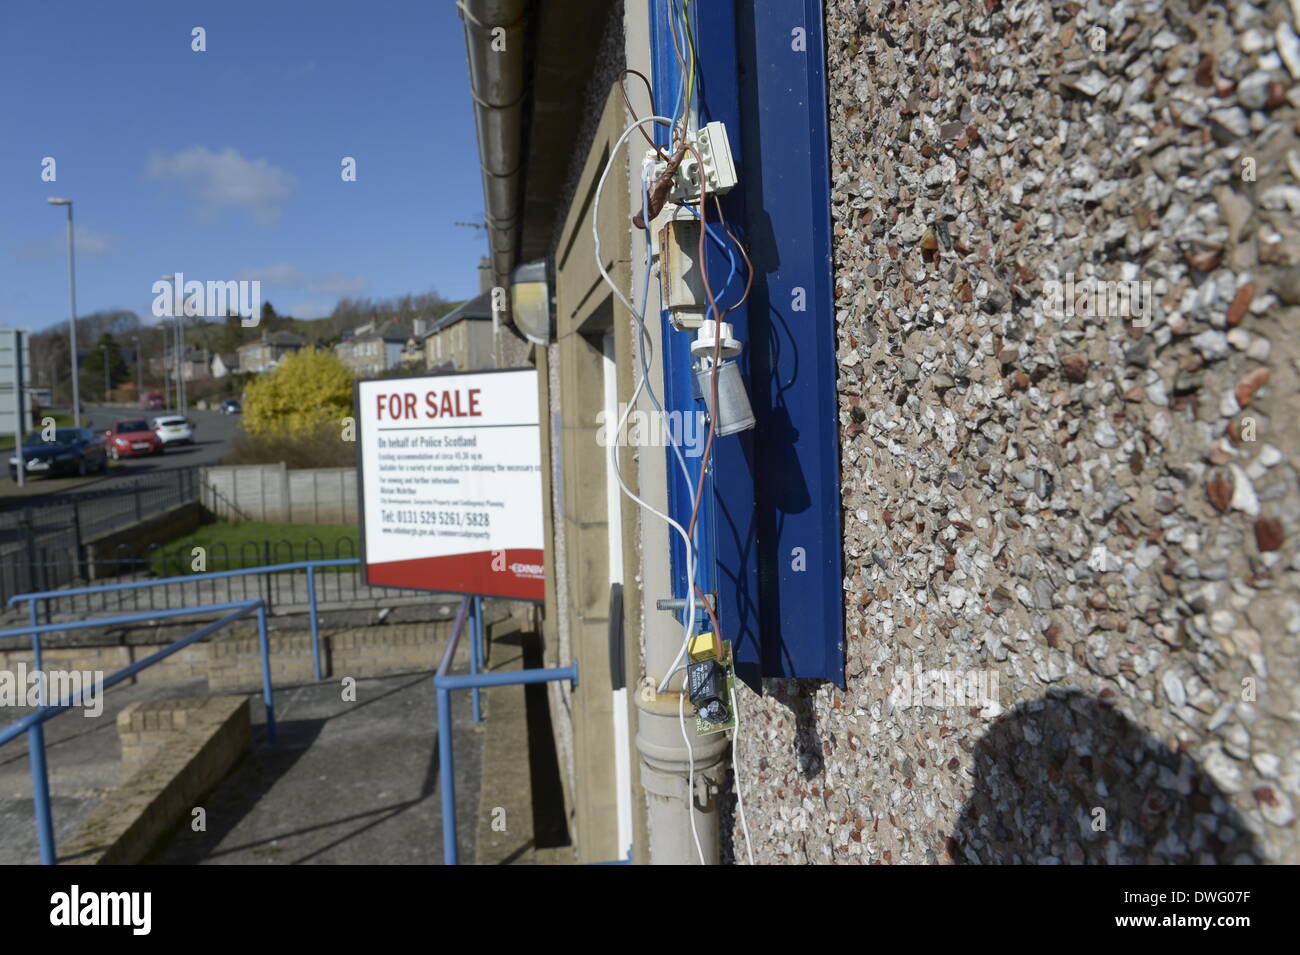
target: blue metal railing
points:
(311, 566)
(33, 723)
(471, 610)
(444, 683)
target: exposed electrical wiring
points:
(713, 619)
(731, 259)
(627, 100)
(689, 66)
(705, 458)
(689, 623)
(659, 193)
(749, 266)
(681, 102)
(717, 343)
(647, 350)
(717, 351)
(715, 358)
(653, 200)
(646, 342)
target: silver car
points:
(172, 429)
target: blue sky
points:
(226, 164)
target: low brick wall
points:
(233, 660)
(180, 750)
(144, 729)
(103, 553)
(236, 663)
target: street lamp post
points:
(72, 315)
(107, 386)
(180, 346)
(139, 370)
(167, 391)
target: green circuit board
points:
(702, 726)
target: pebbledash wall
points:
(1096, 518)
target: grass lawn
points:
(60, 421)
(253, 544)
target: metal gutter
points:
(495, 35)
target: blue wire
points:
(680, 81)
(722, 245)
(677, 107)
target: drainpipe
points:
(495, 32)
(665, 771)
(664, 762)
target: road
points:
(44, 524)
(213, 432)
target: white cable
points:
(690, 774)
(647, 348)
(689, 623)
(677, 664)
(643, 383)
(735, 770)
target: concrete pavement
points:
(347, 782)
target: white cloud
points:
(88, 242)
(227, 179)
(282, 275)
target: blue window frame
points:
(770, 536)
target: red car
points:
(130, 438)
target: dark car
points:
(230, 406)
(69, 451)
(131, 437)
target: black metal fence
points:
(42, 539)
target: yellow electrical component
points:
(703, 646)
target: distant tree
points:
(118, 322)
(52, 362)
(92, 369)
(231, 335)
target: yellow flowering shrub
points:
(308, 391)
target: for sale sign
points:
(451, 483)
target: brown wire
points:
(717, 346)
(749, 266)
(622, 83)
(713, 619)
